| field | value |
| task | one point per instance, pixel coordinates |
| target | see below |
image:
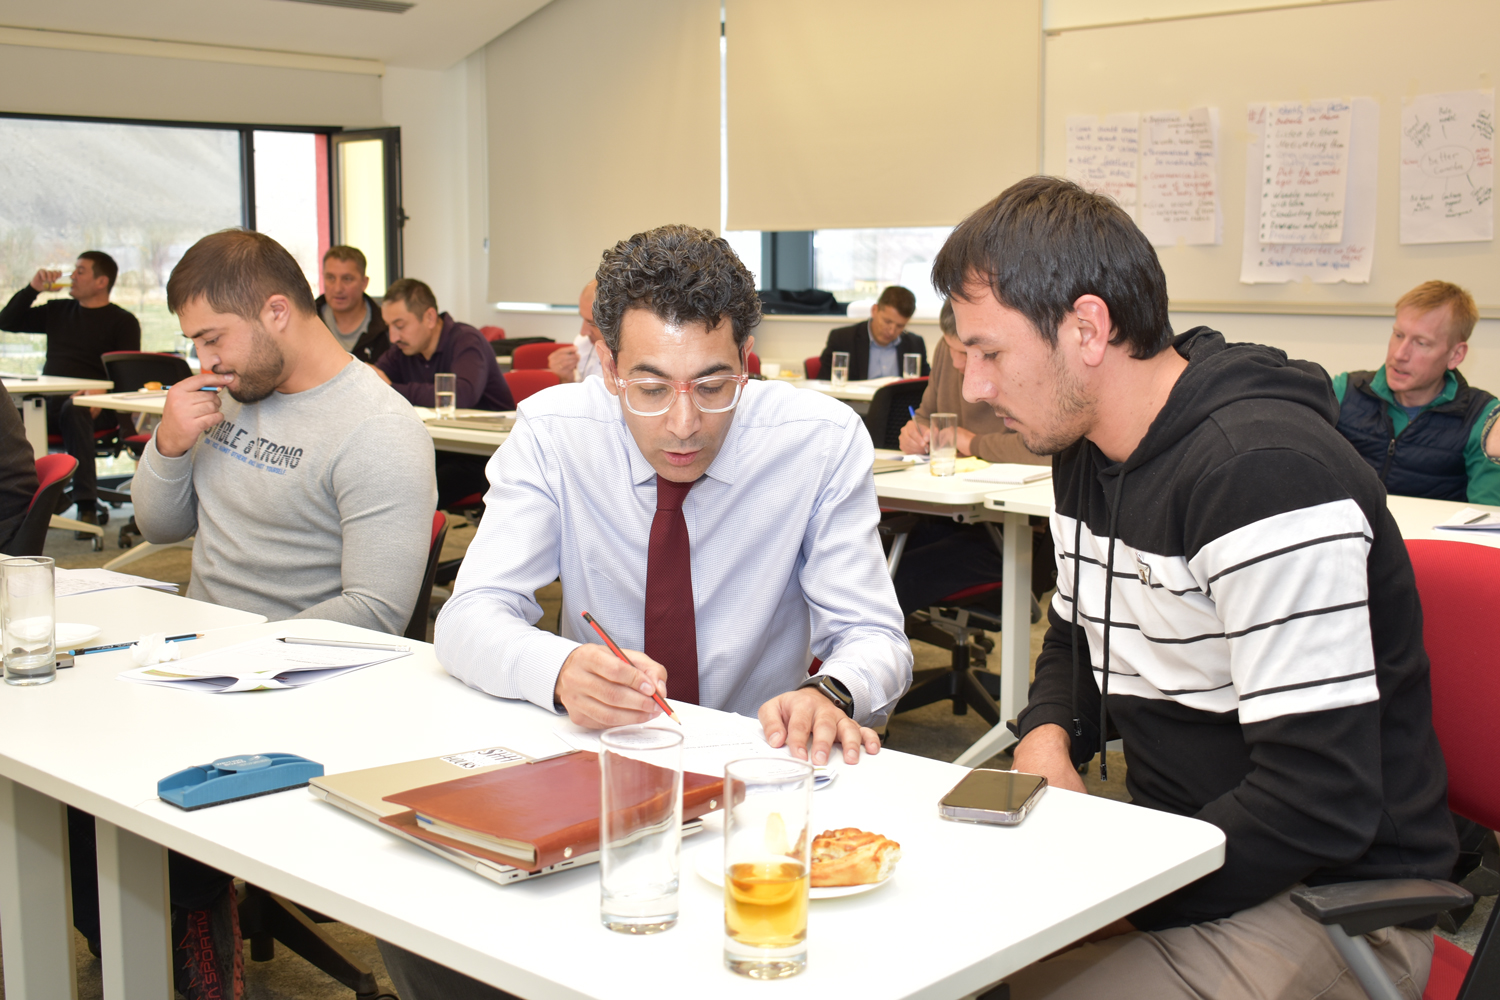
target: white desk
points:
(28, 393)
(469, 442)
(856, 394)
(1007, 896)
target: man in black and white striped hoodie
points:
(1244, 601)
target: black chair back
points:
(53, 473)
(417, 627)
(131, 370)
(891, 409)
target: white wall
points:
(441, 117)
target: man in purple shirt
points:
(425, 342)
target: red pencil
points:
(616, 650)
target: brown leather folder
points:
(548, 810)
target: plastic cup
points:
(30, 657)
(640, 828)
(942, 443)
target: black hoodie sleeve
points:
(1051, 698)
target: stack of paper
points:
(1010, 474)
(71, 582)
(264, 664)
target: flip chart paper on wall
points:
(1448, 167)
(1104, 154)
(1322, 263)
(1179, 187)
(1305, 159)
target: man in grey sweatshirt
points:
(306, 479)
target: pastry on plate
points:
(852, 857)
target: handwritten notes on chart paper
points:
(1448, 167)
(1179, 185)
(1305, 172)
(1104, 155)
(1304, 212)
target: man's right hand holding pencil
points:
(601, 691)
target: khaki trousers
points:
(1267, 952)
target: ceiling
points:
(434, 34)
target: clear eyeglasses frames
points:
(651, 397)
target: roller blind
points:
(872, 113)
(603, 121)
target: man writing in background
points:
(425, 342)
(580, 359)
(348, 312)
(79, 329)
(1418, 423)
(876, 346)
(942, 556)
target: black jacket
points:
(1427, 460)
(376, 340)
(18, 481)
(856, 341)
(1263, 655)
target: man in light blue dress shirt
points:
(786, 562)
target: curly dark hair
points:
(683, 275)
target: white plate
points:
(709, 863)
(71, 635)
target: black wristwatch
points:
(833, 689)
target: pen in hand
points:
(656, 695)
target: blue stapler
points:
(229, 779)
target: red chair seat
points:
(527, 381)
(1450, 964)
(533, 356)
(472, 500)
(969, 593)
(813, 367)
(492, 333)
(752, 363)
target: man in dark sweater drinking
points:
(79, 329)
(1230, 579)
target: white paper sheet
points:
(1179, 187)
(1305, 172)
(1348, 261)
(1104, 155)
(70, 582)
(1448, 167)
(261, 664)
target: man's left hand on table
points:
(790, 719)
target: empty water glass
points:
(28, 620)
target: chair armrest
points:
(1363, 907)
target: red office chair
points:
(752, 363)
(1460, 587)
(530, 356)
(53, 473)
(417, 627)
(493, 333)
(813, 367)
(529, 381)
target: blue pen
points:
(127, 645)
(913, 411)
(209, 388)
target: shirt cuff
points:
(538, 665)
(168, 470)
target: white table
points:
(857, 394)
(1007, 896)
(28, 393)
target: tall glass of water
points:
(28, 620)
(942, 443)
(445, 394)
(840, 373)
(640, 828)
(911, 366)
(767, 857)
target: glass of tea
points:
(767, 844)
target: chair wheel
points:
(98, 543)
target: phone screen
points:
(1000, 791)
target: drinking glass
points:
(911, 366)
(767, 844)
(640, 828)
(445, 394)
(28, 620)
(942, 443)
(840, 373)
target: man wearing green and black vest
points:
(1415, 420)
(79, 329)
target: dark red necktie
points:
(671, 629)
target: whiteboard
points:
(1382, 49)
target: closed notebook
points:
(530, 816)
